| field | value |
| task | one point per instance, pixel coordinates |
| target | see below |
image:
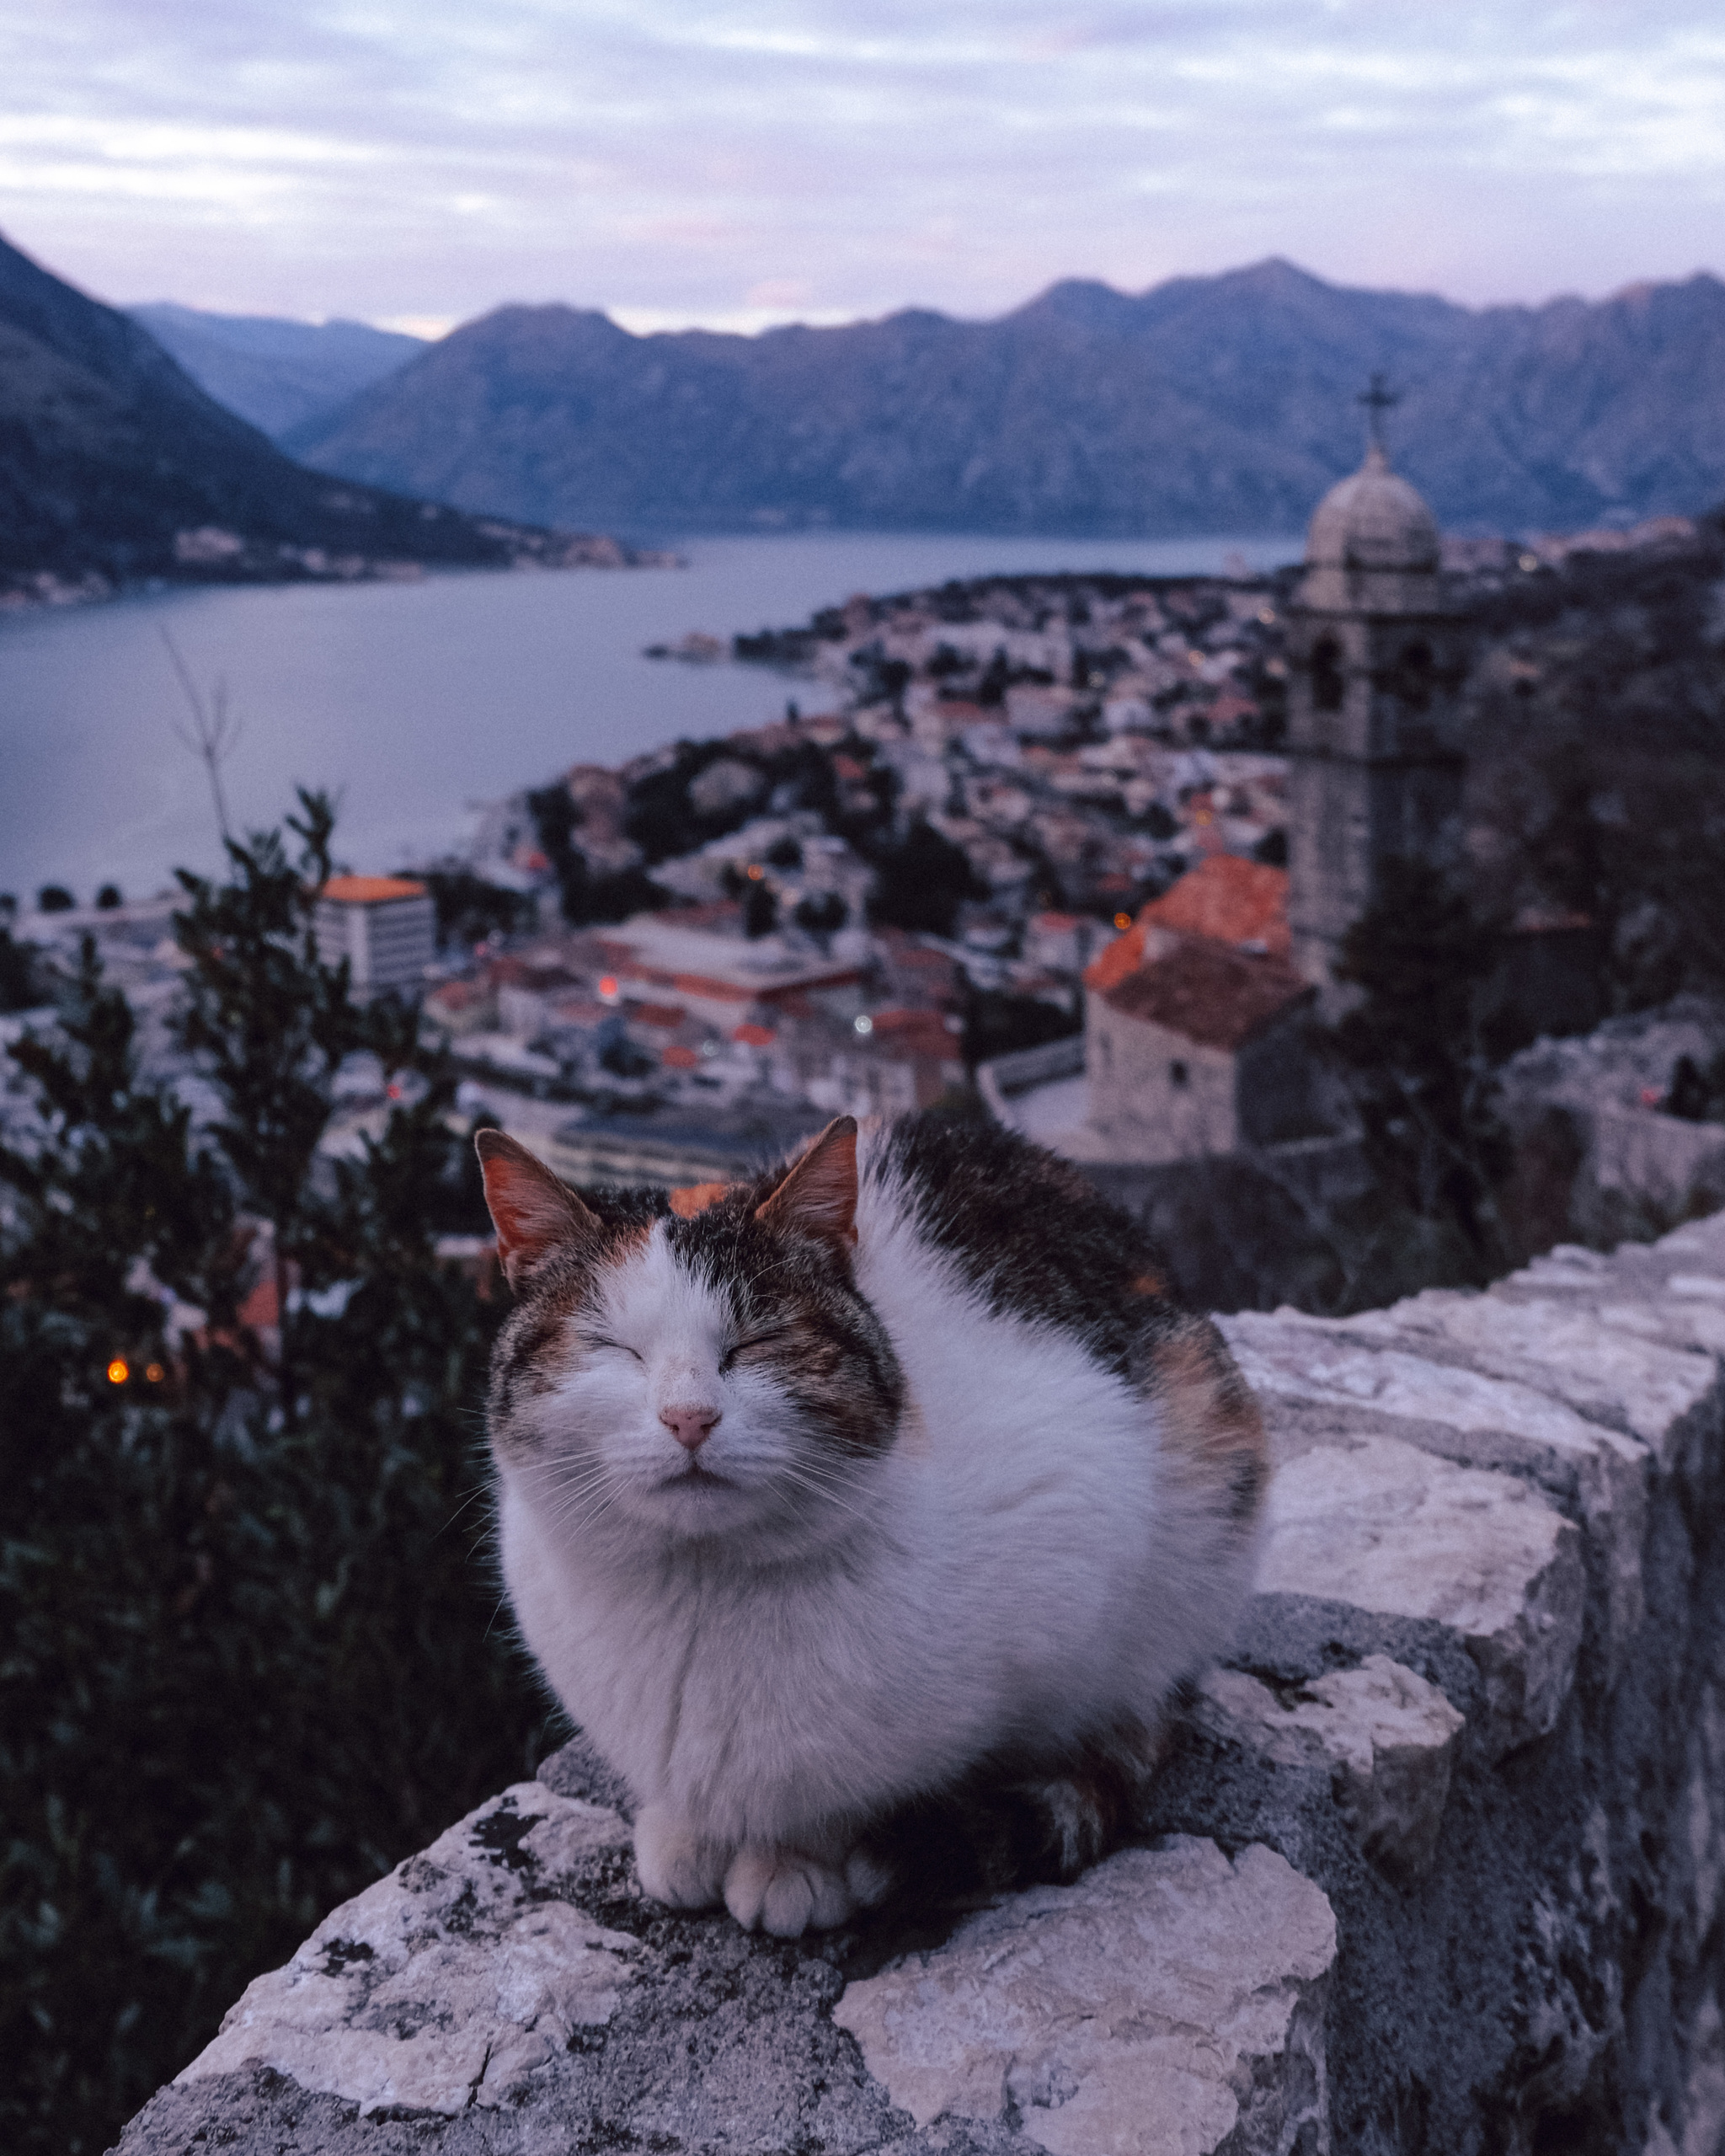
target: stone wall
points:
(1597, 1159)
(1435, 1864)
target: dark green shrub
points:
(252, 1656)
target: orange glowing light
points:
(154, 1372)
(117, 1372)
(607, 987)
(756, 872)
(1123, 921)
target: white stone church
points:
(1193, 1017)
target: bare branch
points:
(214, 734)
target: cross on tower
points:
(1377, 400)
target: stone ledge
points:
(1438, 1863)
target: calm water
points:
(415, 701)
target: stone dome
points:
(1373, 520)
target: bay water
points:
(415, 702)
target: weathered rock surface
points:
(1360, 1379)
(453, 1980)
(1394, 1531)
(1436, 1863)
(1385, 1735)
(1169, 2001)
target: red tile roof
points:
(895, 1034)
(1224, 900)
(370, 890)
(1229, 901)
(1215, 996)
(1116, 960)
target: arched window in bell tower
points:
(1327, 687)
(1413, 676)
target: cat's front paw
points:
(788, 1891)
(678, 1865)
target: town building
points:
(385, 927)
(1192, 1023)
(1197, 1053)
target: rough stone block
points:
(1620, 1380)
(445, 1984)
(1671, 1292)
(1476, 1419)
(1168, 2004)
(1388, 1527)
(1385, 1736)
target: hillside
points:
(1206, 404)
(114, 465)
(277, 374)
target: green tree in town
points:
(1422, 1081)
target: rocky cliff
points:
(1436, 1863)
(114, 465)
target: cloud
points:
(739, 162)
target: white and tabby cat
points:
(820, 1494)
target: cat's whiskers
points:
(578, 1491)
(803, 1474)
(583, 1510)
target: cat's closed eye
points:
(766, 1338)
(598, 1342)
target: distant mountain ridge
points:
(1212, 405)
(115, 466)
(276, 372)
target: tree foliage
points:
(1597, 759)
(1421, 1084)
(921, 880)
(586, 898)
(250, 1656)
(19, 985)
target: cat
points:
(820, 1494)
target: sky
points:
(416, 162)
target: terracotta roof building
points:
(1210, 995)
(1191, 1021)
(385, 927)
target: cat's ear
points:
(819, 1197)
(532, 1211)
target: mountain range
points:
(116, 465)
(274, 372)
(1205, 405)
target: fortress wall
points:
(1436, 1863)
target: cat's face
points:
(712, 1376)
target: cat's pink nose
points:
(692, 1426)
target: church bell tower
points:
(1377, 653)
